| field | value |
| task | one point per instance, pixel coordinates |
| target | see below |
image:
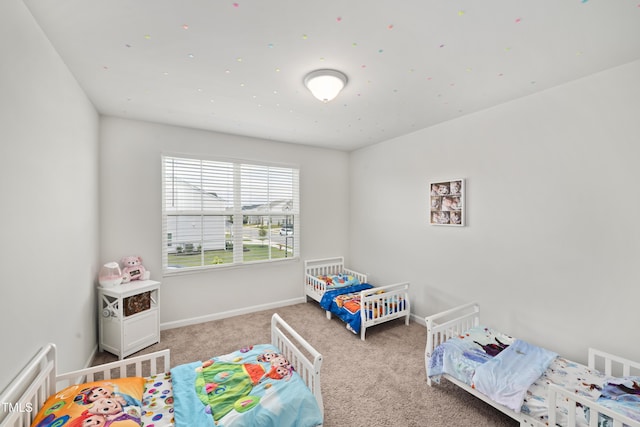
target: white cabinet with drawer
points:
(129, 317)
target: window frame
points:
(237, 212)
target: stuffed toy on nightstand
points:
(132, 269)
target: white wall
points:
(552, 244)
(130, 198)
(49, 212)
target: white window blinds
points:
(226, 212)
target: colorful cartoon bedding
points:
(254, 386)
(344, 302)
(114, 403)
(484, 359)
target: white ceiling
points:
(238, 66)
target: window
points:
(224, 213)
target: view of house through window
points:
(220, 212)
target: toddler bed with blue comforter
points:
(516, 377)
(346, 293)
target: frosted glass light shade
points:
(325, 84)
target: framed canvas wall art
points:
(446, 201)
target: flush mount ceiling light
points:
(325, 84)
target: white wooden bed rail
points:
(306, 365)
(38, 380)
(29, 390)
(383, 303)
(610, 365)
(315, 287)
(571, 402)
(139, 366)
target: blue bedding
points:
(506, 377)
(254, 386)
(500, 367)
(350, 317)
(461, 355)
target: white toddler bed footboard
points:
(453, 322)
(22, 399)
(315, 287)
(447, 324)
(382, 304)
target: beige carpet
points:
(376, 383)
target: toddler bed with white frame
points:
(315, 269)
(378, 304)
(573, 406)
(39, 380)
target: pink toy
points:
(133, 269)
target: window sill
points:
(196, 270)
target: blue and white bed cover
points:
(516, 374)
(254, 386)
(328, 303)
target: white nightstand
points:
(129, 317)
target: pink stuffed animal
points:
(132, 269)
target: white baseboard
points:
(92, 356)
(418, 319)
(230, 313)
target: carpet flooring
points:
(379, 382)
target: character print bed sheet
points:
(494, 364)
(249, 387)
(344, 302)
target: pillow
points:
(340, 280)
(113, 403)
